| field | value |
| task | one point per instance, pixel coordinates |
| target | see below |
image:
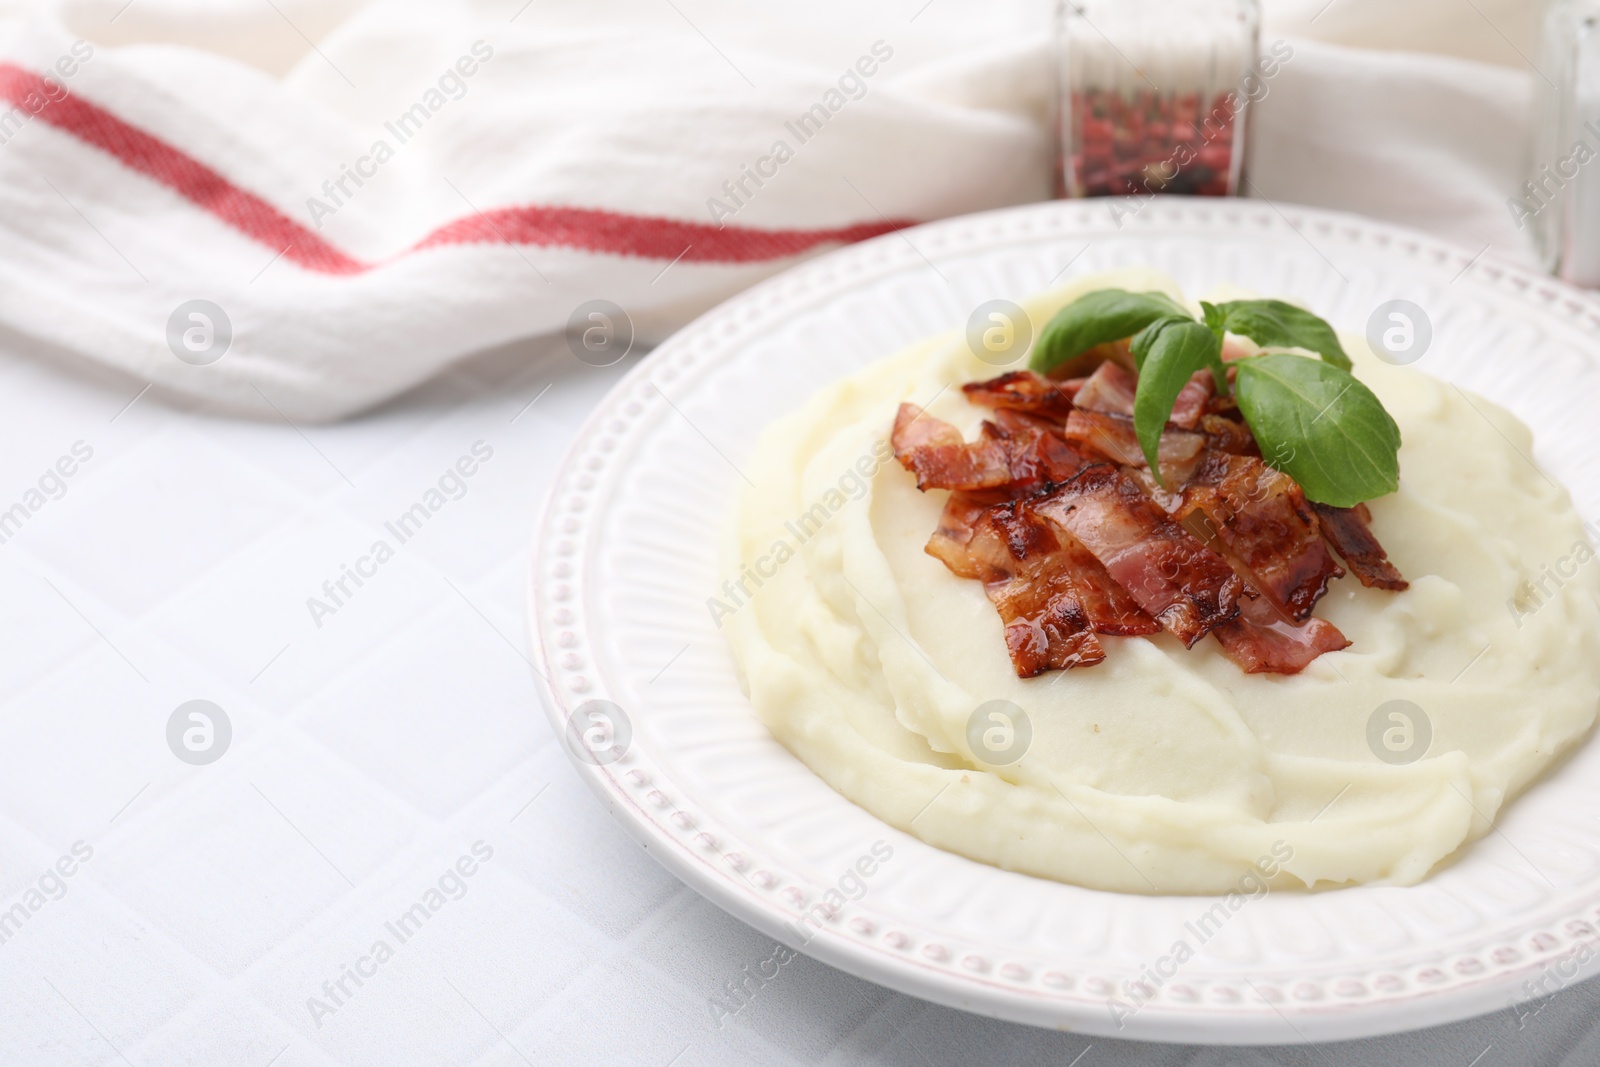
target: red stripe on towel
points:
(585, 229)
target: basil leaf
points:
(1095, 319)
(1168, 352)
(1275, 324)
(1140, 343)
(1140, 347)
(1320, 426)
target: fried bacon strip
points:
(1261, 641)
(1263, 519)
(937, 454)
(1112, 436)
(1053, 508)
(1106, 603)
(1025, 391)
(1227, 435)
(1039, 455)
(1110, 388)
(951, 543)
(1072, 387)
(1046, 624)
(1015, 455)
(1109, 607)
(1193, 400)
(1184, 585)
(1028, 574)
(1348, 531)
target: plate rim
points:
(946, 983)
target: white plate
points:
(625, 562)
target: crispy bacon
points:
(1042, 460)
(1109, 607)
(1029, 576)
(1229, 435)
(1046, 625)
(1184, 585)
(1113, 437)
(935, 452)
(1021, 422)
(1348, 531)
(1166, 499)
(1022, 390)
(1261, 641)
(951, 543)
(1261, 516)
(1107, 435)
(956, 544)
(1112, 610)
(1190, 406)
(1037, 452)
(1110, 388)
(1226, 406)
(1069, 546)
(1015, 455)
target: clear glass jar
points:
(1152, 95)
(1560, 201)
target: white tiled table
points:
(369, 755)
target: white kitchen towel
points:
(302, 208)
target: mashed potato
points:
(1165, 770)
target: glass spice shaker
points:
(1560, 201)
(1151, 95)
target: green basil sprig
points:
(1321, 427)
(1167, 353)
(1274, 324)
(1097, 318)
(1313, 420)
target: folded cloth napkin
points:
(300, 208)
